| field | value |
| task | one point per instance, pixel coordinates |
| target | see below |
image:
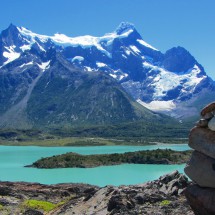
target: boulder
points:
(203, 140)
(201, 169)
(120, 201)
(202, 123)
(32, 212)
(208, 109)
(201, 199)
(173, 183)
(211, 124)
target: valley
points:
(134, 133)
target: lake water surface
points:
(14, 158)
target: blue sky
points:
(162, 23)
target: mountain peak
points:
(178, 60)
(124, 27)
(11, 28)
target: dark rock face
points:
(9, 37)
(118, 202)
(178, 60)
(163, 196)
(32, 212)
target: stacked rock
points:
(201, 167)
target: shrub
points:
(40, 205)
(1, 207)
(165, 202)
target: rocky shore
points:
(201, 167)
(162, 196)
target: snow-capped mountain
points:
(172, 82)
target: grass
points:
(122, 134)
(20, 138)
(69, 141)
(39, 205)
(165, 203)
(1, 207)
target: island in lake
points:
(72, 160)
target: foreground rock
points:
(203, 140)
(201, 169)
(163, 196)
(201, 199)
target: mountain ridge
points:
(170, 83)
(51, 92)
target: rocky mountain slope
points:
(38, 72)
(50, 91)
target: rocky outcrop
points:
(201, 167)
(162, 196)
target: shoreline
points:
(165, 193)
(94, 145)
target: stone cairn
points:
(201, 167)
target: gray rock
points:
(32, 212)
(144, 198)
(202, 123)
(203, 140)
(208, 116)
(210, 108)
(119, 202)
(169, 177)
(211, 124)
(201, 169)
(201, 200)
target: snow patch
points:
(128, 52)
(135, 49)
(158, 106)
(146, 44)
(25, 47)
(123, 76)
(63, 40)
(41, 48)
(113, 75)
(78, 58)
(165, 80)
(10, 54)
(44, 66)
(26, 64)
(193, 78)
(89, 69)
(100, 64)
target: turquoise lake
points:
(14, 158)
